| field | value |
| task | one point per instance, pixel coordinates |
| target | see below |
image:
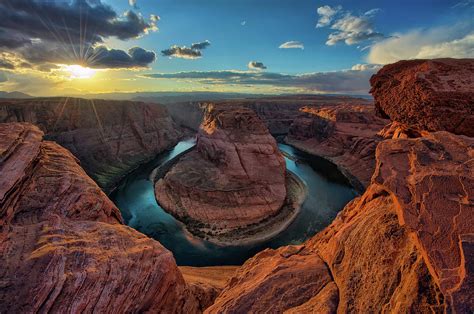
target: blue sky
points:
(43, 49)
(269, 23)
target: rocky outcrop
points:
(63, 247)
(110, 138)
(345, 134)
(404, 246)
(433, 95)
(278, 113)
(234, 178)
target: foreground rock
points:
(405, 245)
(433, 95)
(236, 176)
(110, 138)
(63, 247)
(346, 134)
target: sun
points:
(80, 72)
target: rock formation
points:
(346, 134)
(234, 178)
(110, 138)
(433, 95)
(405, 245)
(278, 113)
(63, 247)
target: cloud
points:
(243, 23)
(133, 3)
(348, 28)
(201, 45)
(446, 41)
(185, 52)
(4, 64)
(366, 67)
(348, 81)
(114, 58)
(3, 77)
(326, 13)
(255, 65)
(181, 52)
(292, 45)
(64, 31)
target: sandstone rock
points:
(234, 178)
(205, 283)
(395, 130)
(63, 248)
(404, 246)
(433, 95)
(110, 138)
(278, 112)
(346, 134)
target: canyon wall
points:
(405, 245)
(278, 112)
(110, 138)
(63, 247)
(346, 134)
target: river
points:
(328, 193)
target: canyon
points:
(110, 138)
(405, 244)
(234, 180)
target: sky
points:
(64, 47)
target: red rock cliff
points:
(433, 95)
(406, 245)
(110, 138)
(62, 245)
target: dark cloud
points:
(113, 58)
(4, 64)
(349, 81)
(201, 45)
(185, 52)
(64, 31)
(181, 52)
(255, 65)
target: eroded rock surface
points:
(234, 178)
(110, 138)
(405, 245)
(433, 95)
(346, 134)
(63, 247)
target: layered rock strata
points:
(405, 245)
(432, 95)
(278, 113)
(235, 178)
(110, 138)
(63, 247)
(345, 134)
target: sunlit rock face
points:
(346, 134)
(235, 177)
(110, 138)
(63, 247)
(404, 246)
(432, 95)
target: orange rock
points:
(433, 95)
(234, 178)
(110, 138)
(404, 246)
(62, 245)
(345, 134)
